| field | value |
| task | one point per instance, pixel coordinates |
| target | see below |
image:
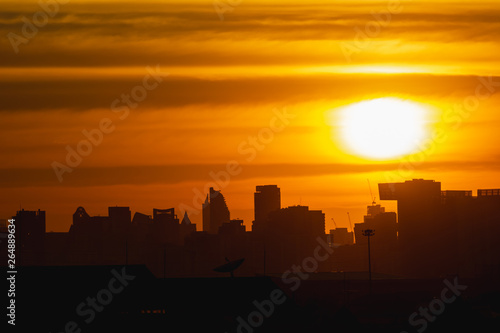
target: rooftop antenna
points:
(334, 223)
(371, 193)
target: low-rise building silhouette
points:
(234, 227)
(341, 236)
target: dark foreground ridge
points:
(131, 299)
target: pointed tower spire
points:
(185, 219)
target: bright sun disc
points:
(383, 128)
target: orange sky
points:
(226, 81)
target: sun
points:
(382, 128)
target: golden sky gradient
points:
(226, 81)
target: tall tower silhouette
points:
(215, 212)
(267, 198)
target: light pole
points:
(368, 233)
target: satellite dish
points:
(230, 266)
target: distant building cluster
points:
(435, 233)
(445, 232)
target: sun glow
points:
(382, 128)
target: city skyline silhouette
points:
(434, 233)
(286, 259)
(250, 166)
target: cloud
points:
(192, 35)
(174, 174)
(177, 91)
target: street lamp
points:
(368, 233)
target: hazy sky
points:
(219, 83)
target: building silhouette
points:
(166, 227)
(30, 237)
(384, 243)
(341, 236)
(297, 220)
(215, 212)
(267, 198)
(186, 228)
(445, 232)
(234, 227)
(385, 223)
(290, 235)
(435, 233)
(120, 218)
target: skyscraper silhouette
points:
(186, 227)
(30, 237)
(267, 198)
(215, 212)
